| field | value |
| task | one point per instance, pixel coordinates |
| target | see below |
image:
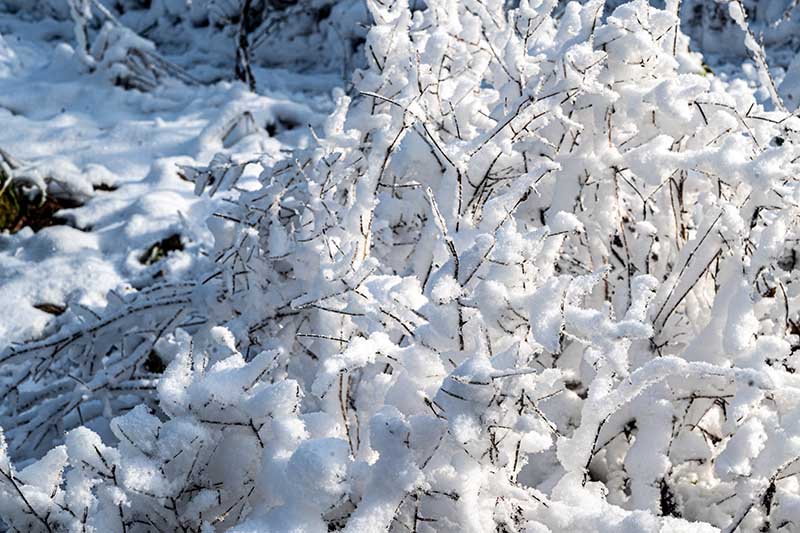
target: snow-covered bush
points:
(210, 35)
(715, 31)
(537, 274)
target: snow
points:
(427, 266)
(91, 133)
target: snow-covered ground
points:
(120, 153)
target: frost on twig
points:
(756, 47)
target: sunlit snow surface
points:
(93, 134)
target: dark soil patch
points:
(161, 249)
(280, 124)
(17, 211)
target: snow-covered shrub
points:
(26, 189)
(125, 57)
(536, 274)
(715, 31)
(58, 9)
(208, 36)
(96, 368)
(131, 61)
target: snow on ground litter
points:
(121, 152)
